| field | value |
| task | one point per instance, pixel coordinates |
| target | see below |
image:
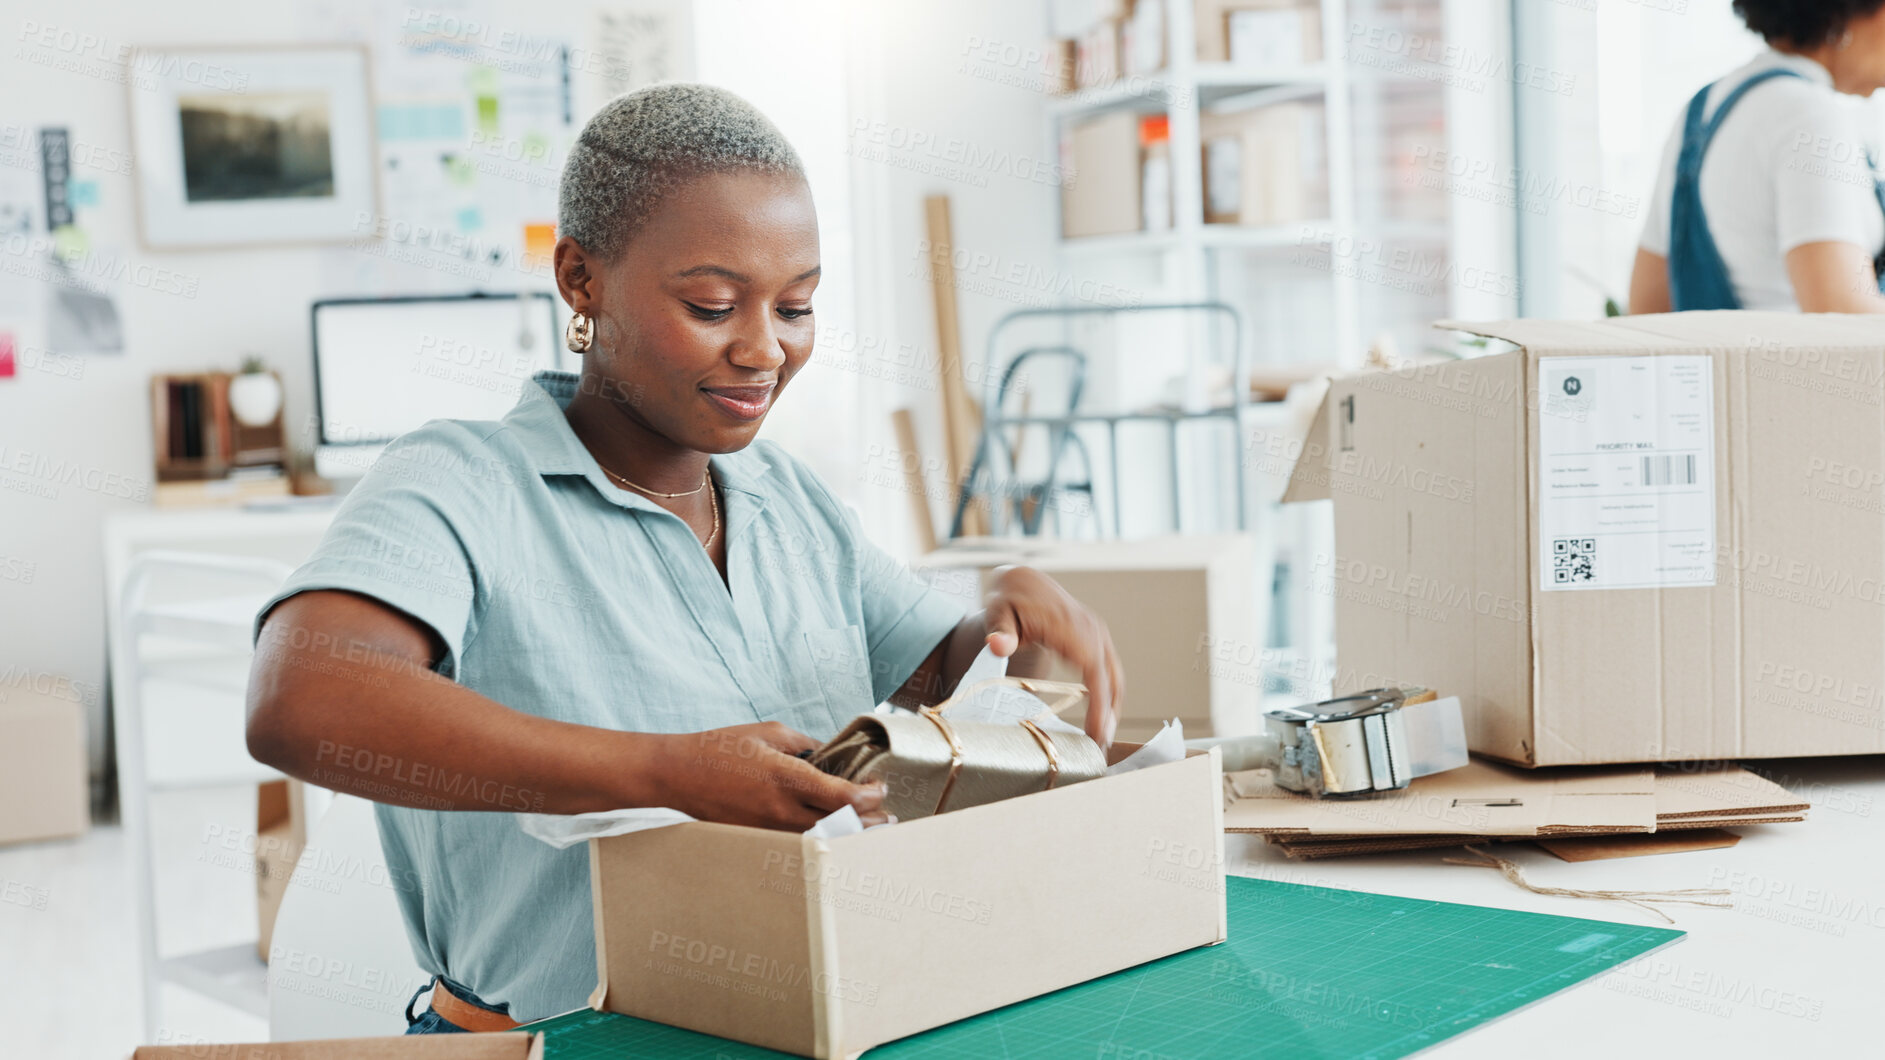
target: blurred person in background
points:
(1768, 197)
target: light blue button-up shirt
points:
(558, 594)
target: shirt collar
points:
(1800, 64)
(537, 420)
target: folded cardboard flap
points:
(827, 947)
(1309, 476)
(506, 1046)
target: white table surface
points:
(1793, 969)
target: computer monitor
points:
(383, 366)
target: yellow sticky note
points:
(539, 245)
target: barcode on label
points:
(1671, 470)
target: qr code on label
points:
(1574, 559)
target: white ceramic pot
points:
(255, 398)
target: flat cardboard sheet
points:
(1307, 849)
(1482, 798)
(1683, 791)
(1603, 847)
(1559, 803)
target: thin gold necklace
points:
(706, 480)
(655, 493)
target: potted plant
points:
(255, 395)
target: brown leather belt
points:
(461, 1013)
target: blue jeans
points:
(430, 1022)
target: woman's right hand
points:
(752, 775)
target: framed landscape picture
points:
(248, 146)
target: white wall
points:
(97, 418)
(929, 116)
(59, 68)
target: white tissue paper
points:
(563, 831)
(998, 705)
(1010, 705)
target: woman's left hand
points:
(1028, 607)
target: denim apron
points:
(1698, 278)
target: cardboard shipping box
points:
(1255, 164)
(828, 947)
(1100, 158)
(1652, 538)
(44, 792)
(1287, 30)
(509, 1046)
(1174, 605)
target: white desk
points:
(1794, 969)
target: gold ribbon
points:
(967, 763)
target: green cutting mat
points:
(1307, 972)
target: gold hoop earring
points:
(579, 333)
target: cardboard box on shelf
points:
(281, 831)
(1182, 611)
(827, 947)
(1068, 18)
(510, 1046)
(44, 790)
(1063, 65)
(1142, 39)
(1100, 158)
(1097, 54)
(1652, 538)
(1258, 32)
(1254, 164)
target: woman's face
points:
(707, 313)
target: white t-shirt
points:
(1787, 167)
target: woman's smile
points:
(745, 402)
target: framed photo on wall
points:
(252, 146)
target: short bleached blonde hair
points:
(644, 144)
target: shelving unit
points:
(1315, 291)
(1183, 90)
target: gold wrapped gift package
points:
(931, 761)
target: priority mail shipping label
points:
(1626, 472)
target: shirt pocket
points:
(842, 664)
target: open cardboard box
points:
(828, 947)
(513, 1046)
